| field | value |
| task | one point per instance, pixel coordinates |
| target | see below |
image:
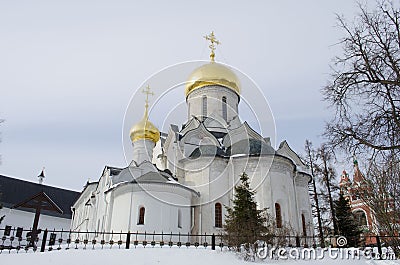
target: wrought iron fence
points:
(19, 239)
(16, 239)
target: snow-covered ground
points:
(166, 255)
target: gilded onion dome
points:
(144, 129)
(212, 73)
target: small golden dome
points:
(212, 73)
(144, 129)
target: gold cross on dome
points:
(147, 92)
(212, 46)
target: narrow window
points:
(218, 215)
(303, 223)
(278, 215)
(141, 216)
(224, 111)
(360, 217)
(204, 107)
(179, 218)
(192, 216)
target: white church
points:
(207, 155)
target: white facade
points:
(142, 150)
(114, 203)
(24, 219)
(195, 170)
(215, 97)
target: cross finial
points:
(212, 46)
(147, 92)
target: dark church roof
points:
(250, 147)
(207, 150)
(14, 191)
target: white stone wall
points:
(103, 204)
(162, 205)
(303, 200)
(18, 218)
(158, 158)
(143, 150)
(272, 178)
(92, 207)
(214, 179)
(82, 211)
(214, 101)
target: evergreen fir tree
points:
(346, 223)
(244, 223)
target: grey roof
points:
(125, 175)
(206, 150)
(159, 177)
(250, 147)
(175, 128)
(14, 191)
(114, 170)
(154, 177)
(246, 147)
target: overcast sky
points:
(68, 70)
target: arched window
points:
(224, 110)
(218, 215)
(179, 218)
(303, 224)
(278, 215)
(204, 107)
(360, 217)
(141, 216)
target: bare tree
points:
(381, 193)
(365, 92)
(311, 157)
(325, 172)
(324, 188)
(365, 83)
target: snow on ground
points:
(165, 256)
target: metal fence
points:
(19, 239)
(16, 239)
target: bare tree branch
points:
(365, 83)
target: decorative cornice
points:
(141, 185)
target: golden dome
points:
(212, 73)
(144, 129)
